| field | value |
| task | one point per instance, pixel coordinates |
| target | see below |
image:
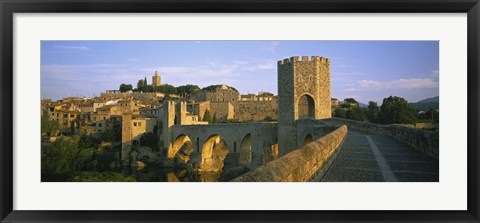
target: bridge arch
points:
(214, 151)
(308, 139)
(177, 144)
(306, 106)
(246, 150)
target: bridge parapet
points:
(301, 164)
(424, 141)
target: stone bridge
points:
(364, 152)
(249, 144)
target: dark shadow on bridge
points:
(368, 157)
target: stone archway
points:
(214, 151)
(306, 106)
(308, 139)
(246, 150)
(180, 141)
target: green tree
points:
(396, 110)
(340, 113)
(140, 84)
(188, 89)
(149, 139)
(64, 157)
(166, 89)
(207, 117)
(431, 115)
(148, 88)
(145, 81)
(373, 112)
(358, 114)
(349, 103)
(125, 87)
(48, 126)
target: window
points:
(100, 124)
(72, 116)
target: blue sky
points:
(364, 70)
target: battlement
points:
(302, 59)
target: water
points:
(164, 174)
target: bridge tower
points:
(167, 121)
(303, 92)
(172, 114)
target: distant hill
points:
(426, 104)
(362, 105)
(428, 100)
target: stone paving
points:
(367, 157)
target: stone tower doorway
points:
(306, 107)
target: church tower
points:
(156, 80)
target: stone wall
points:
(426, 142)
(218, 95)
(302, 164)
(222, 110)
(312, 77)
(256, 110)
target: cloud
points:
(412, 83)
(400, 83)
(71, 47)
(86, 79)
(268, 65)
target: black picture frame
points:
(9, 7)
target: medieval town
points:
(153, 131)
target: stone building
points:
(133, 127)
(223, 111)
(223, 93)
(335, 102)
(198, 108)
(105, 125)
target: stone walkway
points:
(376, 158)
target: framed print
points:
(239, 111)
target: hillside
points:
(426, 104)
